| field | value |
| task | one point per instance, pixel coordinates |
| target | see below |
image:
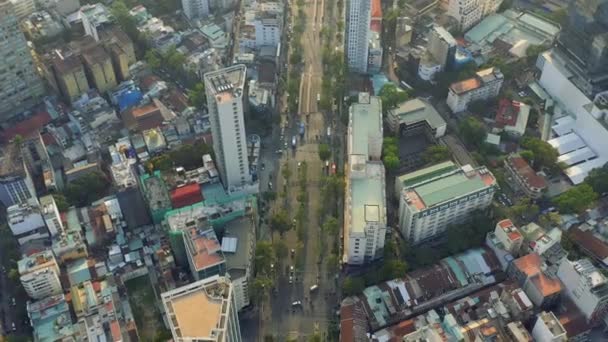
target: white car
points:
(296, 303)
(290, 279)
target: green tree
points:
(436, 153)
(527, 155)
(598, 179)
(280, 249)
(279, 222)
(151, 57)
(549, 220)
(576, 199)
(190, 156)
(13, 274)
(61, 202)
(330, 227)
(162, 335)
(260, 288)
(392, 96)
(391, 162)
(87, 188)
(392, 269)
(264, 257)
(324, 152)
(524, 209)
(333, 263)
(352, 286)
(197, 95)
(472, 131)
(161, 163)
(544, 154)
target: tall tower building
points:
(20, 86)
(358, 18)
(203, 311)
(583, 41)
(224, 89)
(195, 9)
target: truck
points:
(302, 129)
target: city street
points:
(280, 318)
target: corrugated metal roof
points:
(229, 244)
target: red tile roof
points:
(507, 113)
(376, 9)
(528, 264)
(465, 86)
(186, 195)
(521, 166)
(27, 127)
(546, 286)
(587, 241)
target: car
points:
(279, 151)
(14, 327)
(291, 269)
(291, 279)
(293, 252)
(297, 303)
(299, 164)
(314, 288)
(13, 302)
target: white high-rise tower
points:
(224, 89)
(358, 17)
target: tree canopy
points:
(86, 189)
(576, 199)
(324, 152)
(390, 153)
(279, 222)
(264, 257)
(392, 96)
(436, 153)
(352, 286)
(472, 131)
(544, 155)
(197, 95)
(598, 179)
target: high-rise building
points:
(50, 214)
(203, 311)
(225, 96)
(26, 222)
(484, 85)
(469, 12)
(16, 185)
(21, 86)
(204, 253)
(583, 42)
(39, 275)
(195, 9)
(358, 18)
(442, 46)
(365, 200)
(586, 286)
(441, 195)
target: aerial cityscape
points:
(303, 170)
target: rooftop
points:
(240, 235)
(199, 310)
(590, 244)
(509, 228)
(226, 84)
(203, 248)
(481, 78)
(11, 162)
(50, 319)
(522, 167)
(368, 201)
(36, 261)
(554, 325)
(95, 55)
(417, 110)
(447, 186)
(365, 119)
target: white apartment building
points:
(358, 18)
(224, 89)
(26, 222)
(548, 328)
(50, 214)
(586, 286)
(510, 237)
(39, 275)
(238, 246)
(442, 46)
(23, 8)
(195, 9)
(365, 199)
(484, 85)
(466, 12)
(433, 198)
(203, 311)
(21, 85)
(267, 32)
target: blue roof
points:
(129, 99)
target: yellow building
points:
(70, 76)
(120, 59)
(99, 68)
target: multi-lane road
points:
(280, 318)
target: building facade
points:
(586, 286)
(442, 46)
(203, 311)
(195, 9)
(466, 12)
(526, 179)
(50, 214)
(267, 32)
(436, 197)
(485, 85)
(548, 328)
(358, 18)
(224, 89)
(39, 275)
(21, 85)
(365, 199)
